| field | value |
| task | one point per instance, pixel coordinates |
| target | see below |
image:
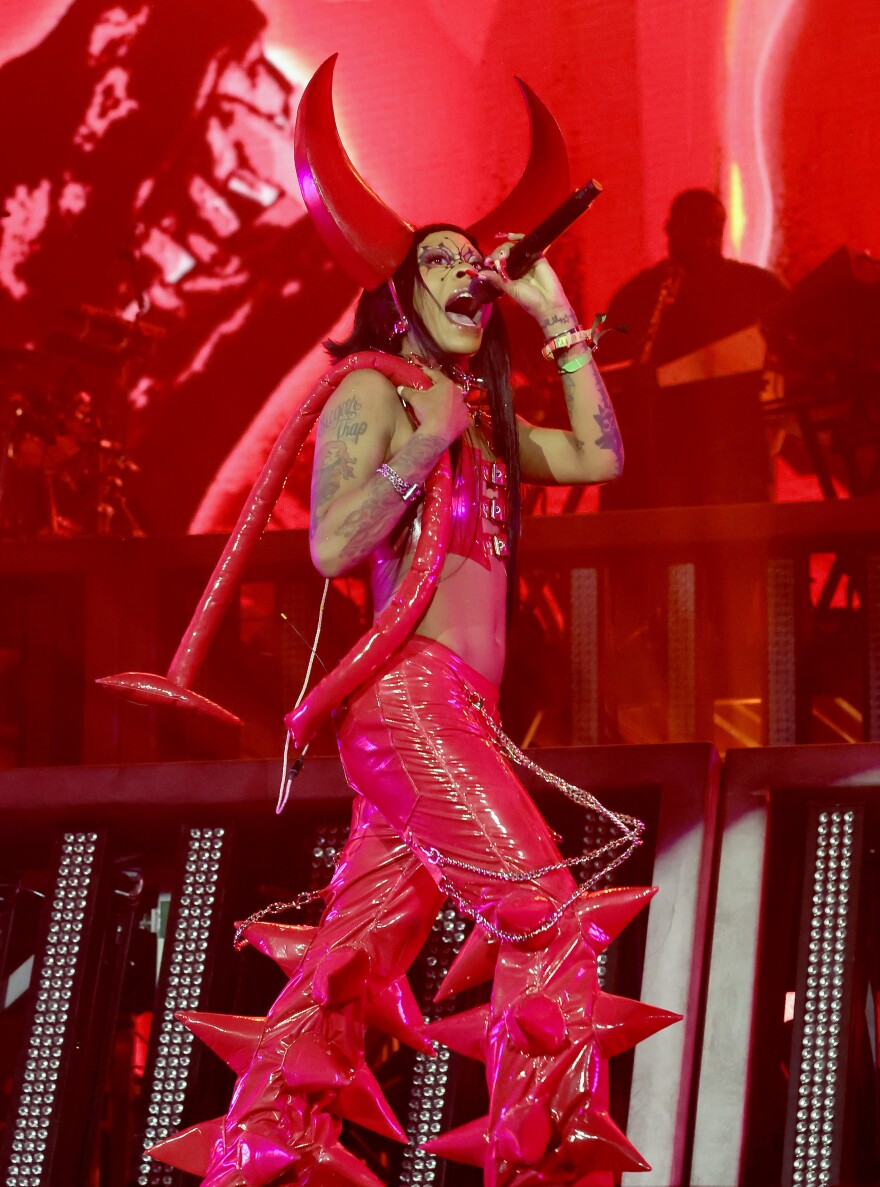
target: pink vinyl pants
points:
(430, 781)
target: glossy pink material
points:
(308, 1070)
(284, 943)
(147, 688)
(412, 741)
(396, 1012)
(474, 965)
(367, 238)
(174, 688)
(605, 914)
(620, 1022)
(189, 1150)
(464, 1033)
(468, 1144)
(231, 1036)
(396, 622)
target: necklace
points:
(473, 387)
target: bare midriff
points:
(467, 613)
(468, 610)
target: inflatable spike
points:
(286, 944)
(536, 1025)
(189, 1150)
(523, 1134)
(464, 1033)
(340, 976)
(334, 1166)
(592, 1142)
(233, 1037)
(311, 1064)
(396, 1012)
(474, 964)
(363, 1101)
(523, 912)
(605, 914)
(256, 1162)
(468, 1144)
(620, 1022)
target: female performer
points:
(438, 810)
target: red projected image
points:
(156, 256)
(154, 253)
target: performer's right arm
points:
(363, 425)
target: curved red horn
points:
(368, 239)
(544, 184)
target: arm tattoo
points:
(609, 434)
(344, 421)
(568, 389)
(368, 525)
(558, 320)
(336, 466)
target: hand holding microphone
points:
(531, 247)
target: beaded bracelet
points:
(407, 491)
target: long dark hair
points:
(374, 319)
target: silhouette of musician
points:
(688, 373)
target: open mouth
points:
(462, 310)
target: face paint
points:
(447, 263)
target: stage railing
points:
(747, 625)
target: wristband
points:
(574, 364)
(563, 341)
(407, 491)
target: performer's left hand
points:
(539, 291)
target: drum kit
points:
(64, 469)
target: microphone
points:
(528, 249)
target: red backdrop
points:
(150, 153)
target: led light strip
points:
(186, 955)
(597, 832)
(430, 1078)
(75, 887)
(818, 1079)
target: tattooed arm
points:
(363, 425)
(592, 450)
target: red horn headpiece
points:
(365, 235)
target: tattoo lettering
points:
(344, 419)
(352, 431)
(558, 321)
